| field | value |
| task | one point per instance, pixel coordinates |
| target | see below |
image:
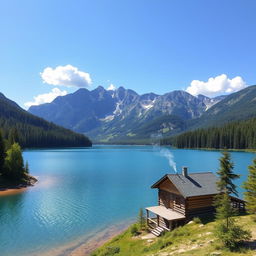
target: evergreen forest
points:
(234, 135)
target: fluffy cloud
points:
(46, 97)
(66, 76)
(216, 86)
(111, 87)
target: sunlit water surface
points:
(84, 191)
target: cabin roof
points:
(194, 184)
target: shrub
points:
(232, 235)
(134, 230)
(112, 250)
(197, 220)
(165, 244)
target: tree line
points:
(42, 134)
(234, 135)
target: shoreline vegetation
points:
(14, 174)
(7, 188)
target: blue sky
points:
(145, 45)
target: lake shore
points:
(6, 190)
(98, 240)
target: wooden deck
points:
(165, 213)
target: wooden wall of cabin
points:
(199, 206)
(172, 201)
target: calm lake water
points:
(84, 191)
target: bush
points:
(112, 250)
(197, 220)
(232, 235)
(165, 244)
(134, 230)
(180, 231)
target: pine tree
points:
(26, 167)
(250, 186)
(141, 219)
(226, 230)
(226, 175)
(2, 153)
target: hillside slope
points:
(189, 240)
(34, 131)
(237, 106)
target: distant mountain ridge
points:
(34, 131)
(237, 106)
(123, 114)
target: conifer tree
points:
(141, 219)
(2, 153)
(226, 230)
(226, 175)
(250, 186)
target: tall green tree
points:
(250, 186)
(226, 175)
(2, 153)
(14, 165)
(226, 230)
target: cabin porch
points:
(160, 218)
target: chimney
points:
(185, 171)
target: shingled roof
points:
(194, 184)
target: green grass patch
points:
(192, 239)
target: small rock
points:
(191, 222)
(201, 225)
(210, 241)
(150, 241)
(215, 254)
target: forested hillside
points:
(33, 131)
(234, 135)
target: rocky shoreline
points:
(9, 189)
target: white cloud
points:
(111, 87)
(46, 97)
(216, 86)
(66, 76)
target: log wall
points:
(172, 201)
(199, 206)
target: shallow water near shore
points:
(84, 192)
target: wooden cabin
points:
(181, 197)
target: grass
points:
(194, 239)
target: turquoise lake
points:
(84, 191)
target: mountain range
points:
(33, 131)
(123, 115)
